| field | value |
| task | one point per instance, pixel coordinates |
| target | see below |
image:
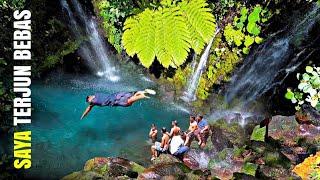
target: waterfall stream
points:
(271, 63)
(189, 94)
(93, 49)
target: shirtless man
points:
(123, 99)
(193, 125)
(160, 147)
(153, 133)
(175, 130)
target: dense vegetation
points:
(308, 90)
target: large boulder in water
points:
(106, 168)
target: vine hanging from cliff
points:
(169, 32)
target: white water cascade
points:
(267, 66)
(189, 94)
(93, 50)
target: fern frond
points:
(201, 23)
(169, 32)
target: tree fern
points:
(169, 32)
(201, 22)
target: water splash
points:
(93, 50)
(270, 63)
(193, 84)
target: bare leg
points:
(199, 139)
(152, 152)
(187, 140)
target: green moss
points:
(237, 152)
(137, 168)
(249, 169)
(67, 48)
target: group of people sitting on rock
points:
(177, 142)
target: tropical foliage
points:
(245, 29)
(113, 13)
(12, 4)
(169, 32)
(308, 90)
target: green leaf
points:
(248, 41)
(245, 50)
(258, 133)
(289, 95)
(258, 40)
(309, 69)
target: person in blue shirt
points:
(202, 132)
(123, 99)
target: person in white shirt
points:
(175, 143)
(177, 147)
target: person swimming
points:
(123, 99)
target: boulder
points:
(293, 138)
(114, 168)
(158, 171)
(83, 175)
(189, 161)
(166, 159)
(308, 115)
(227, 135)
(224, 164)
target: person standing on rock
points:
(160, 146)
(123, 99)
(193, 125)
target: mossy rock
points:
(249, 169)
(111, 168)
(177, 170)
(166, 159)
(83, 175)
(232, 133)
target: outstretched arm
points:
(87, 111)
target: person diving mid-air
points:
(123, 99)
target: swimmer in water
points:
(123, 99)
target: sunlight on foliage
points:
(245, 29)
(309, 168)
(308, 90)
(12, 4)
(112, 13)
(168, 32)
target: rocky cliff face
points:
(231, 153)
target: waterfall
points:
(272, 61)
(93, 50)
(189, 94)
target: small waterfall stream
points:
(189, 94)
(93, 50)
(272, 62)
